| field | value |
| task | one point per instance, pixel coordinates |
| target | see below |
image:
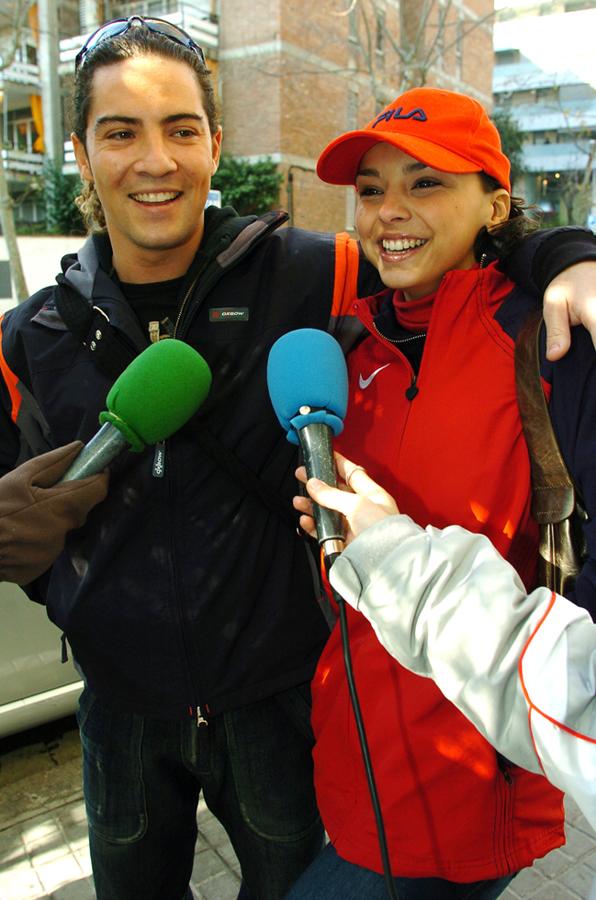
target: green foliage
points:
(60, 190)
(248, 187)
(29, 228)
(512, 139)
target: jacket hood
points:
(90, 271)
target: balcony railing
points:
(21, 73)
(193, 17)
(19, 162)
(198, 22)
(566, 157)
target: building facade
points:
(35, 86)
(294, 75)
(545, 78)
(290, 76)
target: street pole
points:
(49, 60)
(9, 232)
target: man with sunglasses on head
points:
(188, 597)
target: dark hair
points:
(501, 240)
(132, 43)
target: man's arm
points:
(559, 264)
(569, 300)
(36, 513)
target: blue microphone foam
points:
(306, 367)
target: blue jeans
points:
(142, 778)
(332, 878)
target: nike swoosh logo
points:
(364, 382)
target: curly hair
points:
(90, 207)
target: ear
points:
(81, 158)
(500, 207)
(215, 149)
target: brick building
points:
(290, 76)
(293, 75)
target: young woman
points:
(433, 417)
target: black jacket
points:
(183, 591)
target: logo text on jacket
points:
(228, 313)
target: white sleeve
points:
(521, 667)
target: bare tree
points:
(572, 134)
(575, 185)
(419, 36)
(576, 189)
(339, 63)
(413, 37)
(12, 23)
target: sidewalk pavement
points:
(44, 852)
(47, 858)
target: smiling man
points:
(151, 165)
(188, 597)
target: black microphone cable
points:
(370, 775)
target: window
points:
(575, 5)
(507, 57)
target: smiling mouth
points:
(400, 246)
(156, 198)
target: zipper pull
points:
(159, 460)
(412, 390)
(504, 768)
(168, 327)
(201, 720)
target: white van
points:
(35, 686)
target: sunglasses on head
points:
(121, 26)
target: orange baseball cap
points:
(448, 131)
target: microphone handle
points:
(97, 454)
(316, 441)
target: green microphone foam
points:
(157, 393)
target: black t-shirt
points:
(157, 302)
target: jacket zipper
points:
(505, 793)
(195, 711)
(185, 301)
(405, 340)
(159, 458)
(199, 712)
(159, 464)
(412, 390)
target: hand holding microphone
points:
(36, 513)
(361, 501)
(46, 497)
(155, 395)
(308, 386)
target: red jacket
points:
(454, 454)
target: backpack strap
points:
(555, 500)
(553, 488)
(345, 281)
(91, 327)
